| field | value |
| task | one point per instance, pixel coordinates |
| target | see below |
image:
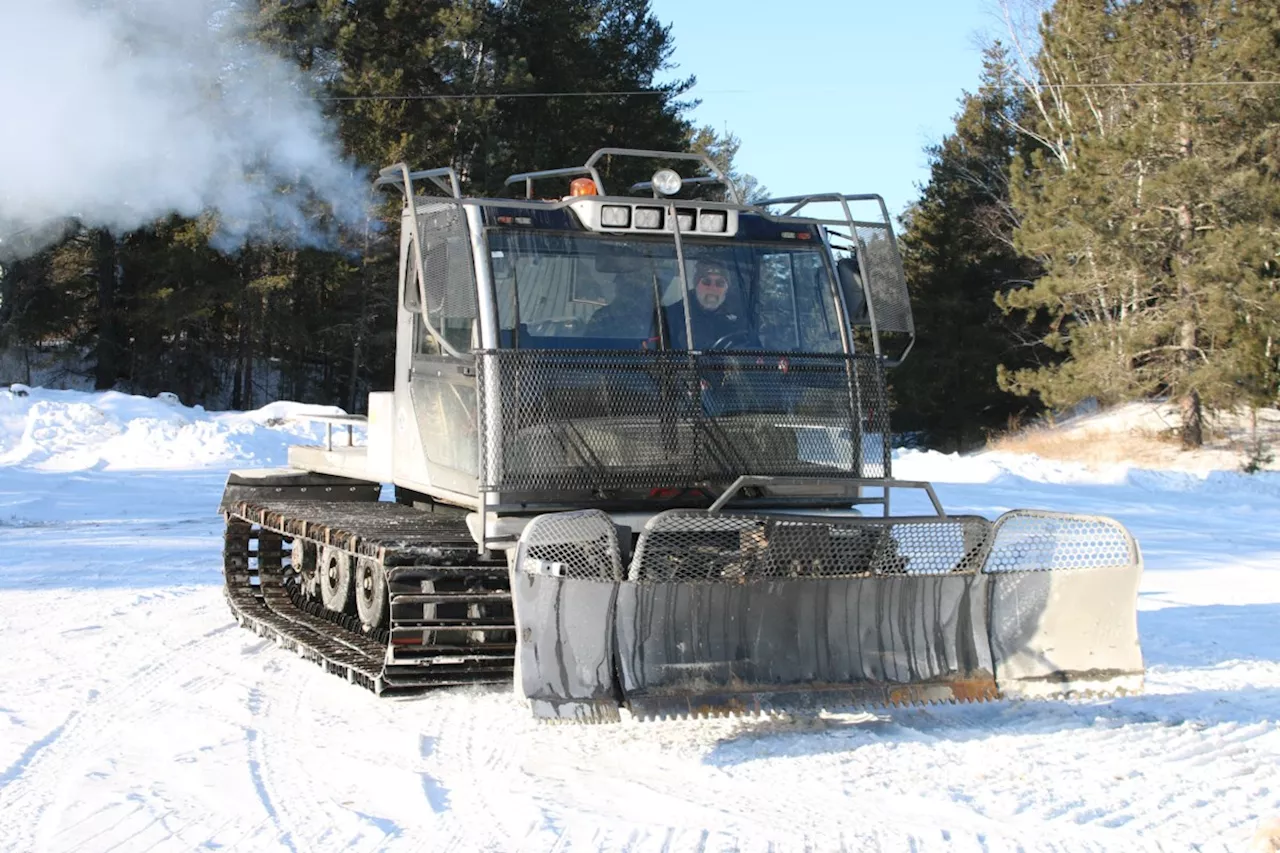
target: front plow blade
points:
(751, 613)
(1064, 591)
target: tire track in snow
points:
(29, 754)
(470, 771)
(42, 784)
(895, 800)
(300, 779)
(1107, 769)
(284, 833)
(586, 795)
(1212, 768)
(31, 804)
(1058, 780)
(437, 794)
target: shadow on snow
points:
(1174, 639)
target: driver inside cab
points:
(716, 312)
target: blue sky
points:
(831, 95)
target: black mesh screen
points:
(621, 420)
(888, 286)
(446, 262)
(691, 546)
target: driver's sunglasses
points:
(716, 281)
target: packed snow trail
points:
(134, 714)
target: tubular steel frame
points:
(446, 180)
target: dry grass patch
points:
(1091, 448)
(1146, 435)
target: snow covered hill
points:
(135, 715)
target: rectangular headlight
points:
(685, 218)
(713, 220)
(615, 216)
(648, 217)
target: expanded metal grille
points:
(447, 274)
(690, 546)
(886, 284)
(620, 420)
(579, 545)
(1036, 541)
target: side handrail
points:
(399, 175)
(330, 421)
(568, 171)
(589, 168)
(885, 483)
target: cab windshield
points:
(558, 290)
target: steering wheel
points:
(741, 336)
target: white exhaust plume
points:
(118, 112)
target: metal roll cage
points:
(589, 169)
(446, 180)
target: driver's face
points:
(711, 290)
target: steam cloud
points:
(118, 112)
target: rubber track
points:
(413, 547)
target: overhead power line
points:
(465, 96)
(1159, 84)
(496, 95)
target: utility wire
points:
(1162, 84)
(702, 92)
(495, 95)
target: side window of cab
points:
(446, 295)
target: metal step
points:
(448, 598)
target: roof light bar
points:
(601, 215)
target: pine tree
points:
(576, 46)
(1154, 217)
(958, 254)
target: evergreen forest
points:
(1103, 222)
(168, 307)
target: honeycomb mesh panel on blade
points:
(1038, 540)
(622, 419)
(692, 546)
(580, 545)
(887, 285)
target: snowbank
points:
(74, 430)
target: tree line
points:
(1102, 222)
(429, 83)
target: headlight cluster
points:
(648, 218)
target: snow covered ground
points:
(134, 714)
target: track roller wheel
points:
(372, 602)
(304, 558)
(337, 587)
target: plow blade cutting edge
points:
(753, 613)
